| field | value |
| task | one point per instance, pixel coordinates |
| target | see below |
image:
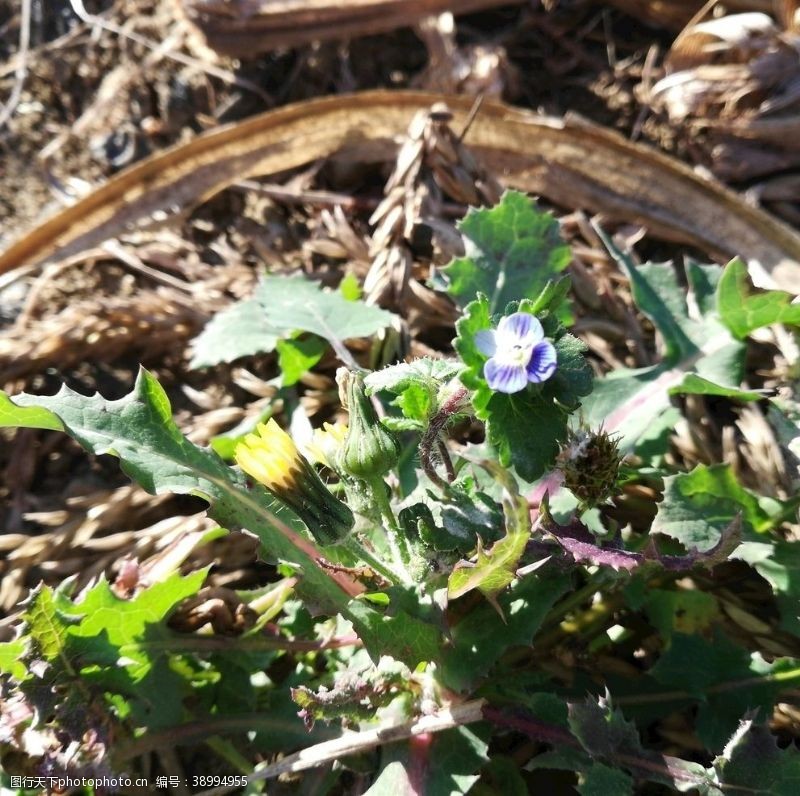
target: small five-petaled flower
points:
(518, 353)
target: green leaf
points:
(496, 568)
(784, 415)
(402, 636)
(297, 356)
(12, 416)
(281, 306)
(350, 288)
(481, 637)
(10, 654)
(604, 732)
(513, 250)
(526, 432)
(114, 645)
(699, 505)
(422, 372)
(415, 402)
(705, 670)
(700, 354)
(753, 763)
(443, 764)
(526, 427)
(602, 780)
(238, 331)
(743, 311)
(140, 431)
(680, 611)
(693, 384)
(779, 564)
(420, 386)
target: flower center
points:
(516, 354)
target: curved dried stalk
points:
(243, 28)
(570, 162)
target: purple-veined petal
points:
(543, 362)
(485, 342)
(519, 329)
(504, 377)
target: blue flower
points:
(518, 353)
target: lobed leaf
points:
(513, 250)
(140, 431)
(281, 306)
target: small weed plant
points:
(493, 576)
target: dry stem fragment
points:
(432, 164)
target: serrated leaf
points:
(526, 432)
(281, 306)
(526, 427)
(480, 638)
(602, 780)
(117, 645)
(698, 506)
(743, 310)
(604, 732)
(496, 568)
(420, 372)
(513, 250)
(779, 564)
(402, 636)
(707, 670)
(140, 431)
(752, 763)
(415, 402)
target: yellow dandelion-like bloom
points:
(271, 458)
(325, 444)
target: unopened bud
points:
(590, 463)
(370, 450)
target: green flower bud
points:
(370, 450)
(590, 463)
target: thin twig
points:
(352, 743)
(186, 60)
(22, 65)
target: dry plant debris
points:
(432, 165)
(569, 162)
(730, 86)
(244, 29)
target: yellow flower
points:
(326, 443)
(271, 458)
